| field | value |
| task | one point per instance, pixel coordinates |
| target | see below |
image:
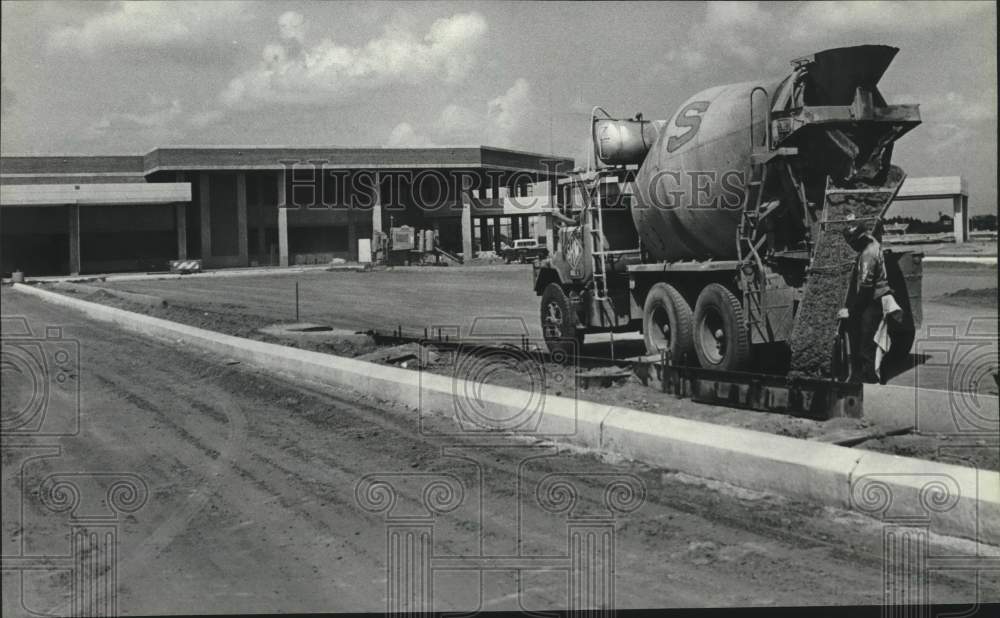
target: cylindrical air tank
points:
(624, 142)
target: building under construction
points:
(246, 206)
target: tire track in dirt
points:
(280, 528)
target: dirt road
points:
(251, 505)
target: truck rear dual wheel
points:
(721, 340)
(559, 324)
(667, 323)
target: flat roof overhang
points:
(932, 187)
(109, 194)
(278, 158)
(71, 165)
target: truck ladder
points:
(595, 221)
(751, 267)
(748, 249)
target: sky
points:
(124, 77)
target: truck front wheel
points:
(721, 340)
(559, 323)
(667, 323)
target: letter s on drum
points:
(686, 120)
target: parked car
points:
(525, 250)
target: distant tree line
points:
(944, 223)
(919, 226)
(984, 223)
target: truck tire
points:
(559, 323)
(667, 323)
(721, 340)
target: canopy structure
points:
(74, 196)
(942, 187)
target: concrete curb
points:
(133, 297)
(949, 259)
(950, 499)
(224, 273)
(461, 268)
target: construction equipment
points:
(407, 245)
(718, 233)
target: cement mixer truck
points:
(718, 233)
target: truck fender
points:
(546, 273)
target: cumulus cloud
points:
(837, 18)
(503, 121)
(952, 107)
(157, 124)
(508, 114)
(747, 33)
(458, 124)
(737, 24)
(690, 59)
(292, 26)
(294, 73)
(206, 118)
(164, 26)
(403, 135)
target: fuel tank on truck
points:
(623, 141)
(690, 187)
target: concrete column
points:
(206, 217)
(377, 207)
(546, 222)
(283, 237)
(352, 236)
(281, 199)
(515, 227)
(242, 240)
(525, 227)
(496, 234)
(466, 227)
(484, 235)
(281, 190)
(180, 214)
(960, 218)
(261, 231)
(965, 218)
(73, 212)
